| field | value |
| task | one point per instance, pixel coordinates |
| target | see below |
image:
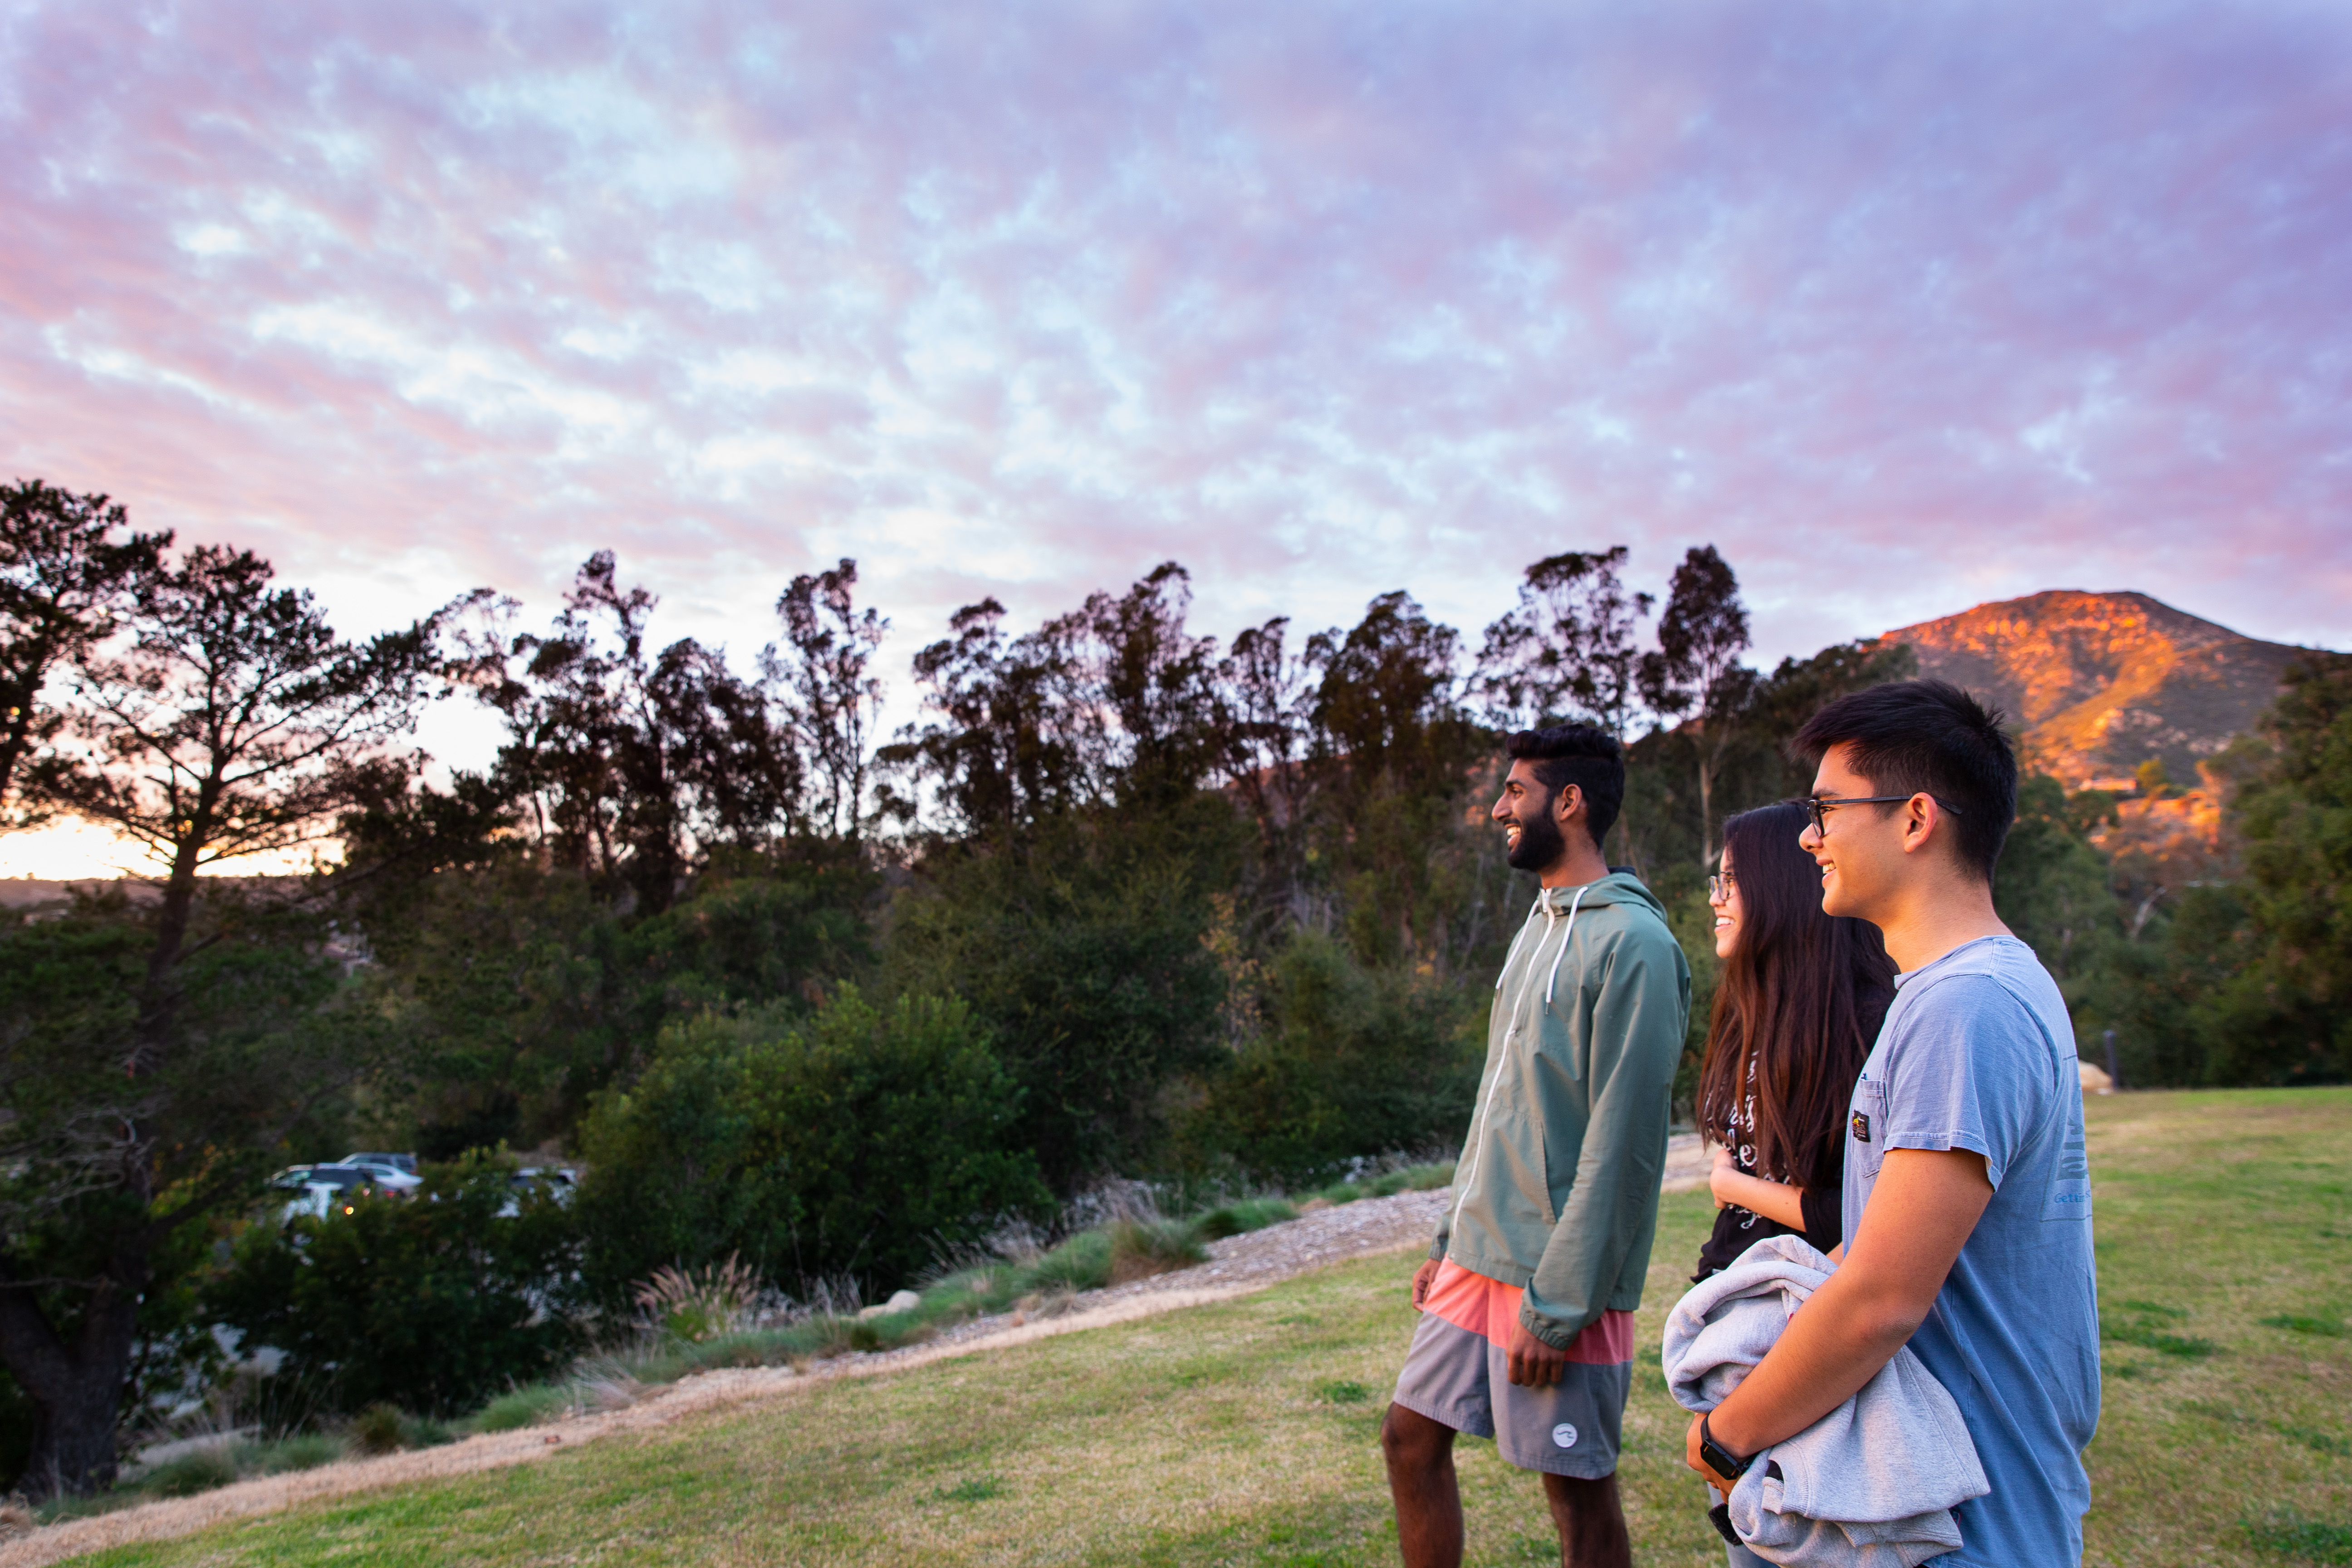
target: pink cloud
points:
(1903, 309)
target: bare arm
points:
(1921, 1213)
(1774, 1200)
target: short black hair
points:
(1579, 754)
(1929, 737)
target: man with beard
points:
(1527, 1298)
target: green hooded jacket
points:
(1557, 1190)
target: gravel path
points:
(1319, 1236)
(1241, 1263)
(1237, 1265)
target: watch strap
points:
(1722, 1460)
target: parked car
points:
(559, 1180)
(404, 1164)
(322, 1189)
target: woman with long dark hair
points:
(1797, 1005)
(1797, 1002)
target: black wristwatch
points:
(1720, 1460)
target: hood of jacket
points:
(1551, 927)
(1617, 888)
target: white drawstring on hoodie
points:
(1553, 977)
(1551, 917)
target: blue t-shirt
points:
(1977, 1053)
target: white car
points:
(403, 1163)
(323, 1189)
(388, 1179)
(561, 1183)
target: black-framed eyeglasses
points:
(1719, 887)
(1817, 806)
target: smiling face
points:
(1728, 913)
(1529, 816)
(1861, 854)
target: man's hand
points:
(1920, 1214)
(1423, 1279)
(1534, 1364)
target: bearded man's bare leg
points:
(1589, 1515)
(1420, 1454)
(1591, 1518)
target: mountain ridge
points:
(2097, 683)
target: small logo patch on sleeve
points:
(1860, 1127)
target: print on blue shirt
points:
(2070, 1181)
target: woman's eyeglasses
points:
(1817, 806)
(1718, 889)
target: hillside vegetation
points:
(2100, 683)
(1243, 1433)
(1126, 911)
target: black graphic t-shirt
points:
(1738, 1229)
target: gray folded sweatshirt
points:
(1871, 1484)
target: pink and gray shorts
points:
(1458, 1373)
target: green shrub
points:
(1142, 1249)
(522, 992)
(742, 1349)
(429, 1303)
(304, 1452)
(828, 1336)
(378, 1429)
(425, 1431)
(1246, 1215)
(1431, 1177)
(222, 1464)
(852, 1142)
(1388, 1184)
(200, 1470)
(1082, 952)
(66, 1506)
(699, 1305)
(519, 1407)
(1081, 1263)
(1353, 1058)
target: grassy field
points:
(1243, 1433)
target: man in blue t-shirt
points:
(1968, 1192)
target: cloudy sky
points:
(1903, 306)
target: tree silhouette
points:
(1567, 651)
(632, 764)
(225, 719)
(1696, 669)
(831, 695)
(65, 582)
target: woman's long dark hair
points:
(1801, 997)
